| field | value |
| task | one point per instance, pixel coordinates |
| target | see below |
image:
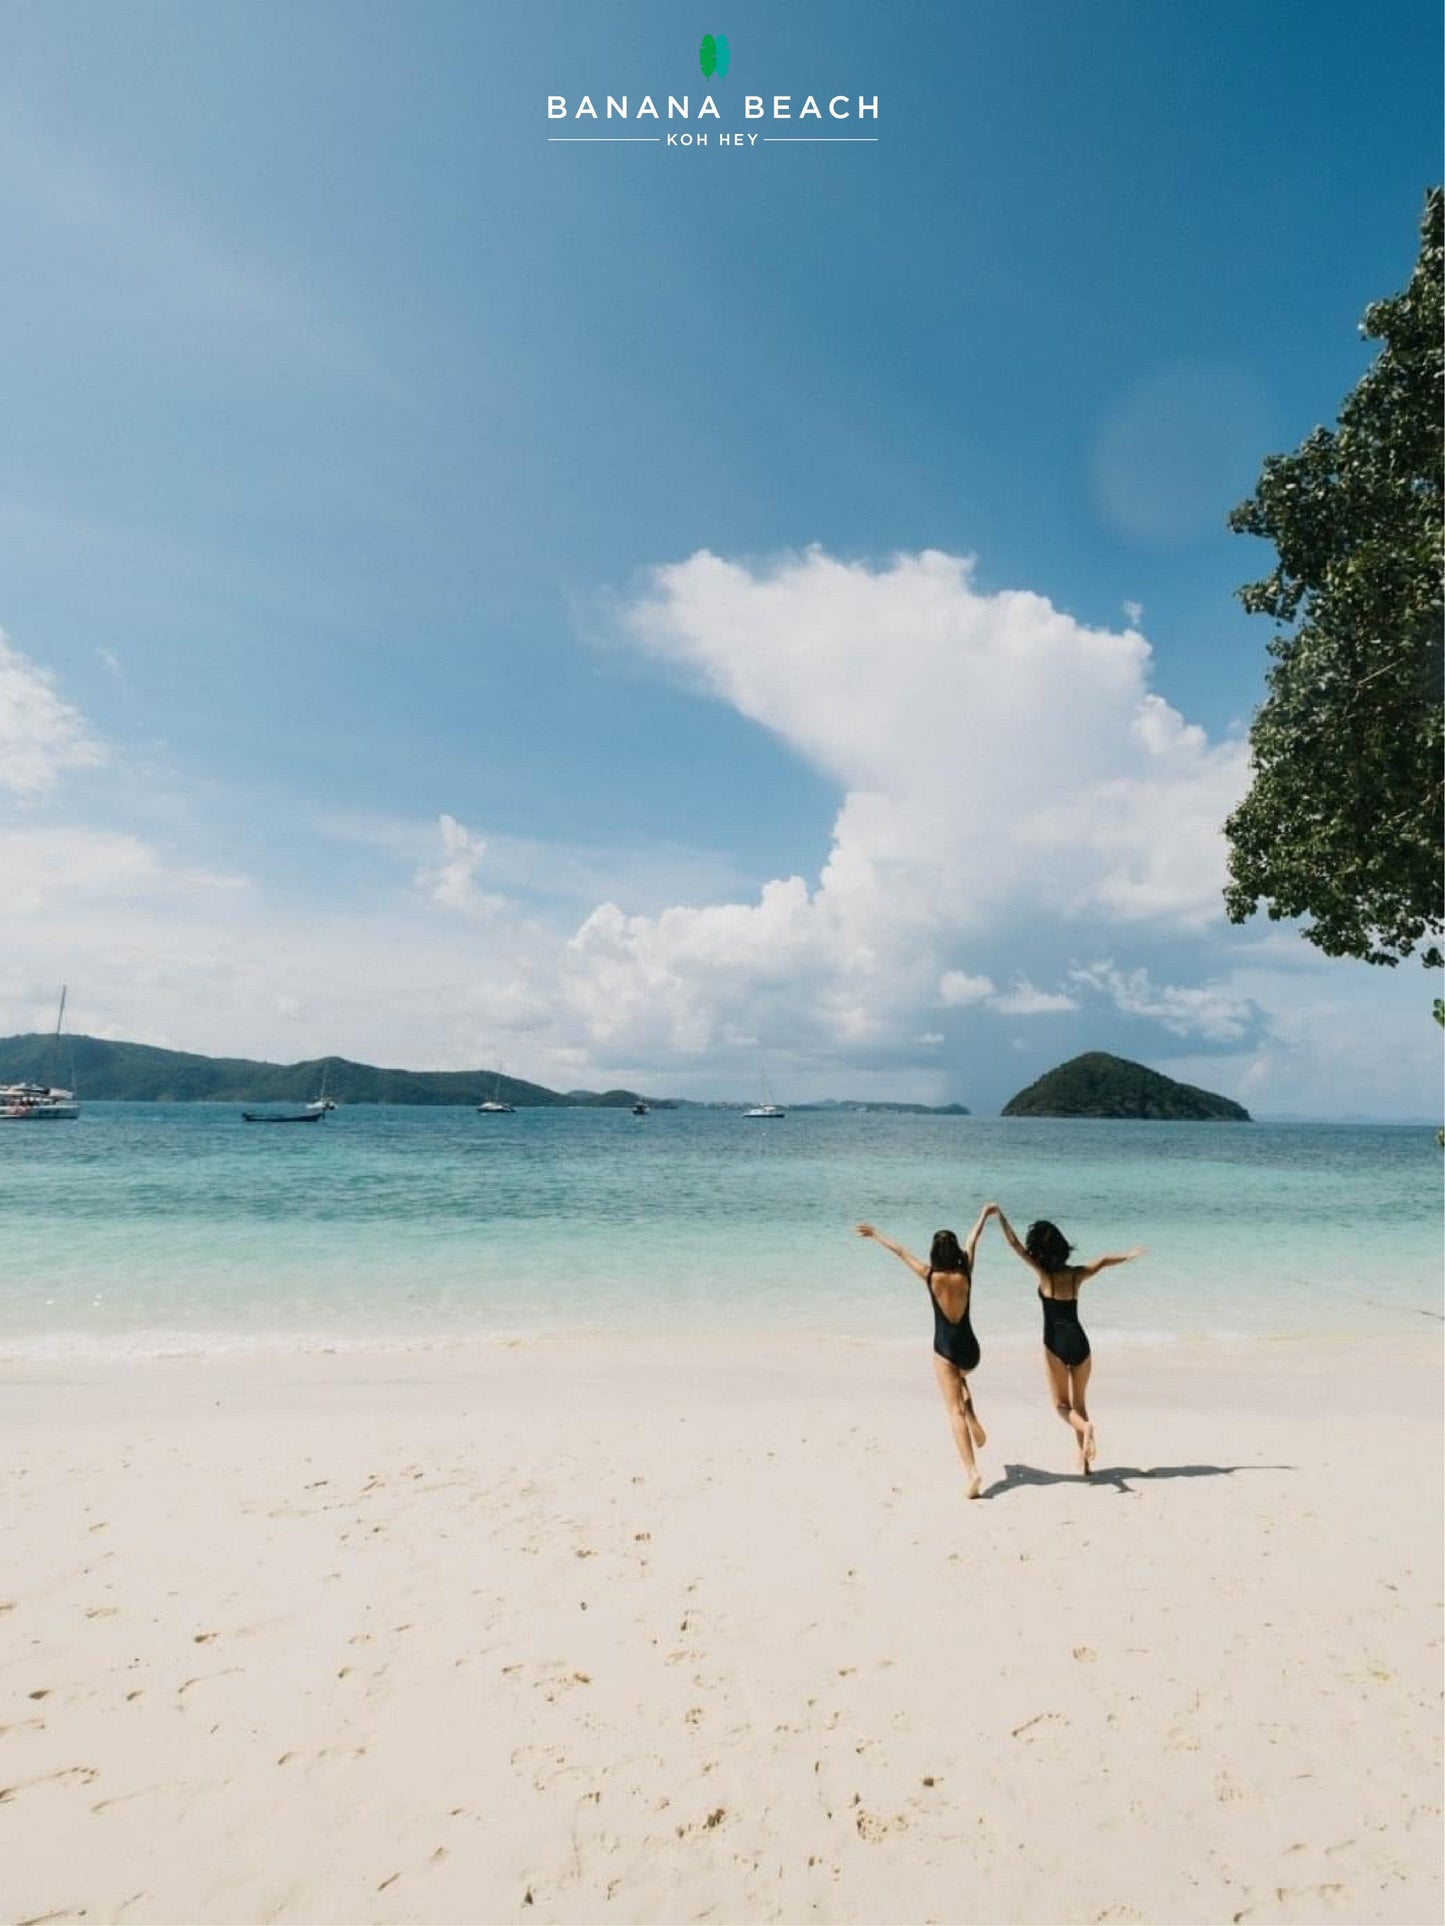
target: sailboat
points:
(496, 1105)
(322, 1103)
(765, 1107)
(41, 1102)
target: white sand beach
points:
(655, 1630)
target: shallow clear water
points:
(148, 1227)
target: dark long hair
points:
(947, 1254)
(1047, 1245)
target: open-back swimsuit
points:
(1064, 1336)
(956, 1342)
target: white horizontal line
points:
(828, 140)
(614, 140)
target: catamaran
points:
(765, 1107)
(496, 1105)
(40, 1102)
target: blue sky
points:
(370, 687)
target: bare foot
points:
(1090, 1451)
(977, 1433)
(975, 1486)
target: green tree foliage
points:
(1342, 823)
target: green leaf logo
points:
(714, 56)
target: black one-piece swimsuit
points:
(956, 1342)
(1064, 1336)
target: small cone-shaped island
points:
(1098, 1085)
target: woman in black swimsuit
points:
(1067, 1357)
(949, 1277)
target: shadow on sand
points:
(1114, 1477)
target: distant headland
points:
(1098, 1085)
(109, 1072)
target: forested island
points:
(1099, 1085)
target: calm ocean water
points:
(152, 1228)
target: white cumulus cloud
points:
(997, 761)
(41, 735)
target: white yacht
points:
(321, 1102)
(36, 1103)
(496, 1105)
(765, 1107)
(40, 1102)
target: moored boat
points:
(321, 1103)
(37, 1103)
(765, 1107)
(496, 1105)
(40, 1102)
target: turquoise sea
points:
(152, 1228)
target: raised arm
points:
(1103, 1263)
(970, 1244)
(1011, 1237)
(915, 1264)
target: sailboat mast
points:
(53, 1073)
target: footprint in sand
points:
(69, 1776)
(144, 1792)
(204, 1678)
(1311, 1896)
(1226, 1788)
(1040, 1728)
(876, 1825)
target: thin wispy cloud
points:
(1210, 1010)
(1024, 999)
(452, 879)
(554, 876)
(957, 989)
